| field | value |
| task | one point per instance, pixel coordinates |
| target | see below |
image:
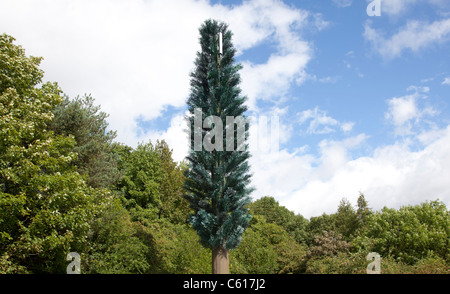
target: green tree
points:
(141, 176)
(295, 225)
(267, 248)
(324, 249)
(152, 183)
(82, 119)
(117, 245)
(176, 249)
(319, 224)
(410, 233)
(363, 211)
(45, 205)
(256, 254)
(173, 205)
(271, 210)
(216, 180)
(346, 220)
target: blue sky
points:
(363, 101)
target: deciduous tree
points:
(45, 205)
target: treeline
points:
(67, 186)
(412, 239)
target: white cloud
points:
(404, 112)
(321, 123)
(426, 80)
(342, 3)
(414, 36)
(318, 21)
(392, 176)
(394, 7)
(335, 154)
(418, 89)
(329, 79)
(278, 173)
(128, 54)
(347, 126)
(401, 173)
(135, 56)
(312, 77)
(285, 174)
(175, 136)
(402, 7)
(271, 80)
(446, 81)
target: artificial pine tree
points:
(217, 180)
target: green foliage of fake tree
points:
(217, 182)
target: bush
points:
(115, 245)
(255, 255)
(177, 249)
(341, 263)
(430, 265)
(266, 248)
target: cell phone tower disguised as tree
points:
(218, 178)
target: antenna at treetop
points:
(220, 44)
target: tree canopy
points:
(45, 204)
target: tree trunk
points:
(220, 261)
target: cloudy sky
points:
(362, 101)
